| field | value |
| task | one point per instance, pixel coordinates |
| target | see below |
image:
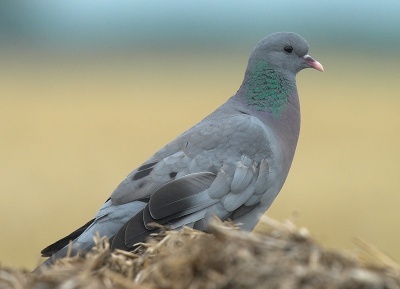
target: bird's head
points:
(285, 51)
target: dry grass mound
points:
(278, 256)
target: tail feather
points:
(107, 222)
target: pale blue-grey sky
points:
(108, 24)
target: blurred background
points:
(90, 89)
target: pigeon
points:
(232, 164)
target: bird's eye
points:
(288, 49)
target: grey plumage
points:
(232, 164)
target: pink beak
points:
(313, 63)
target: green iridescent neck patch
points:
(267, 89)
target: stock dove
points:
(232, 164)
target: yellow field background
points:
(71, 128)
